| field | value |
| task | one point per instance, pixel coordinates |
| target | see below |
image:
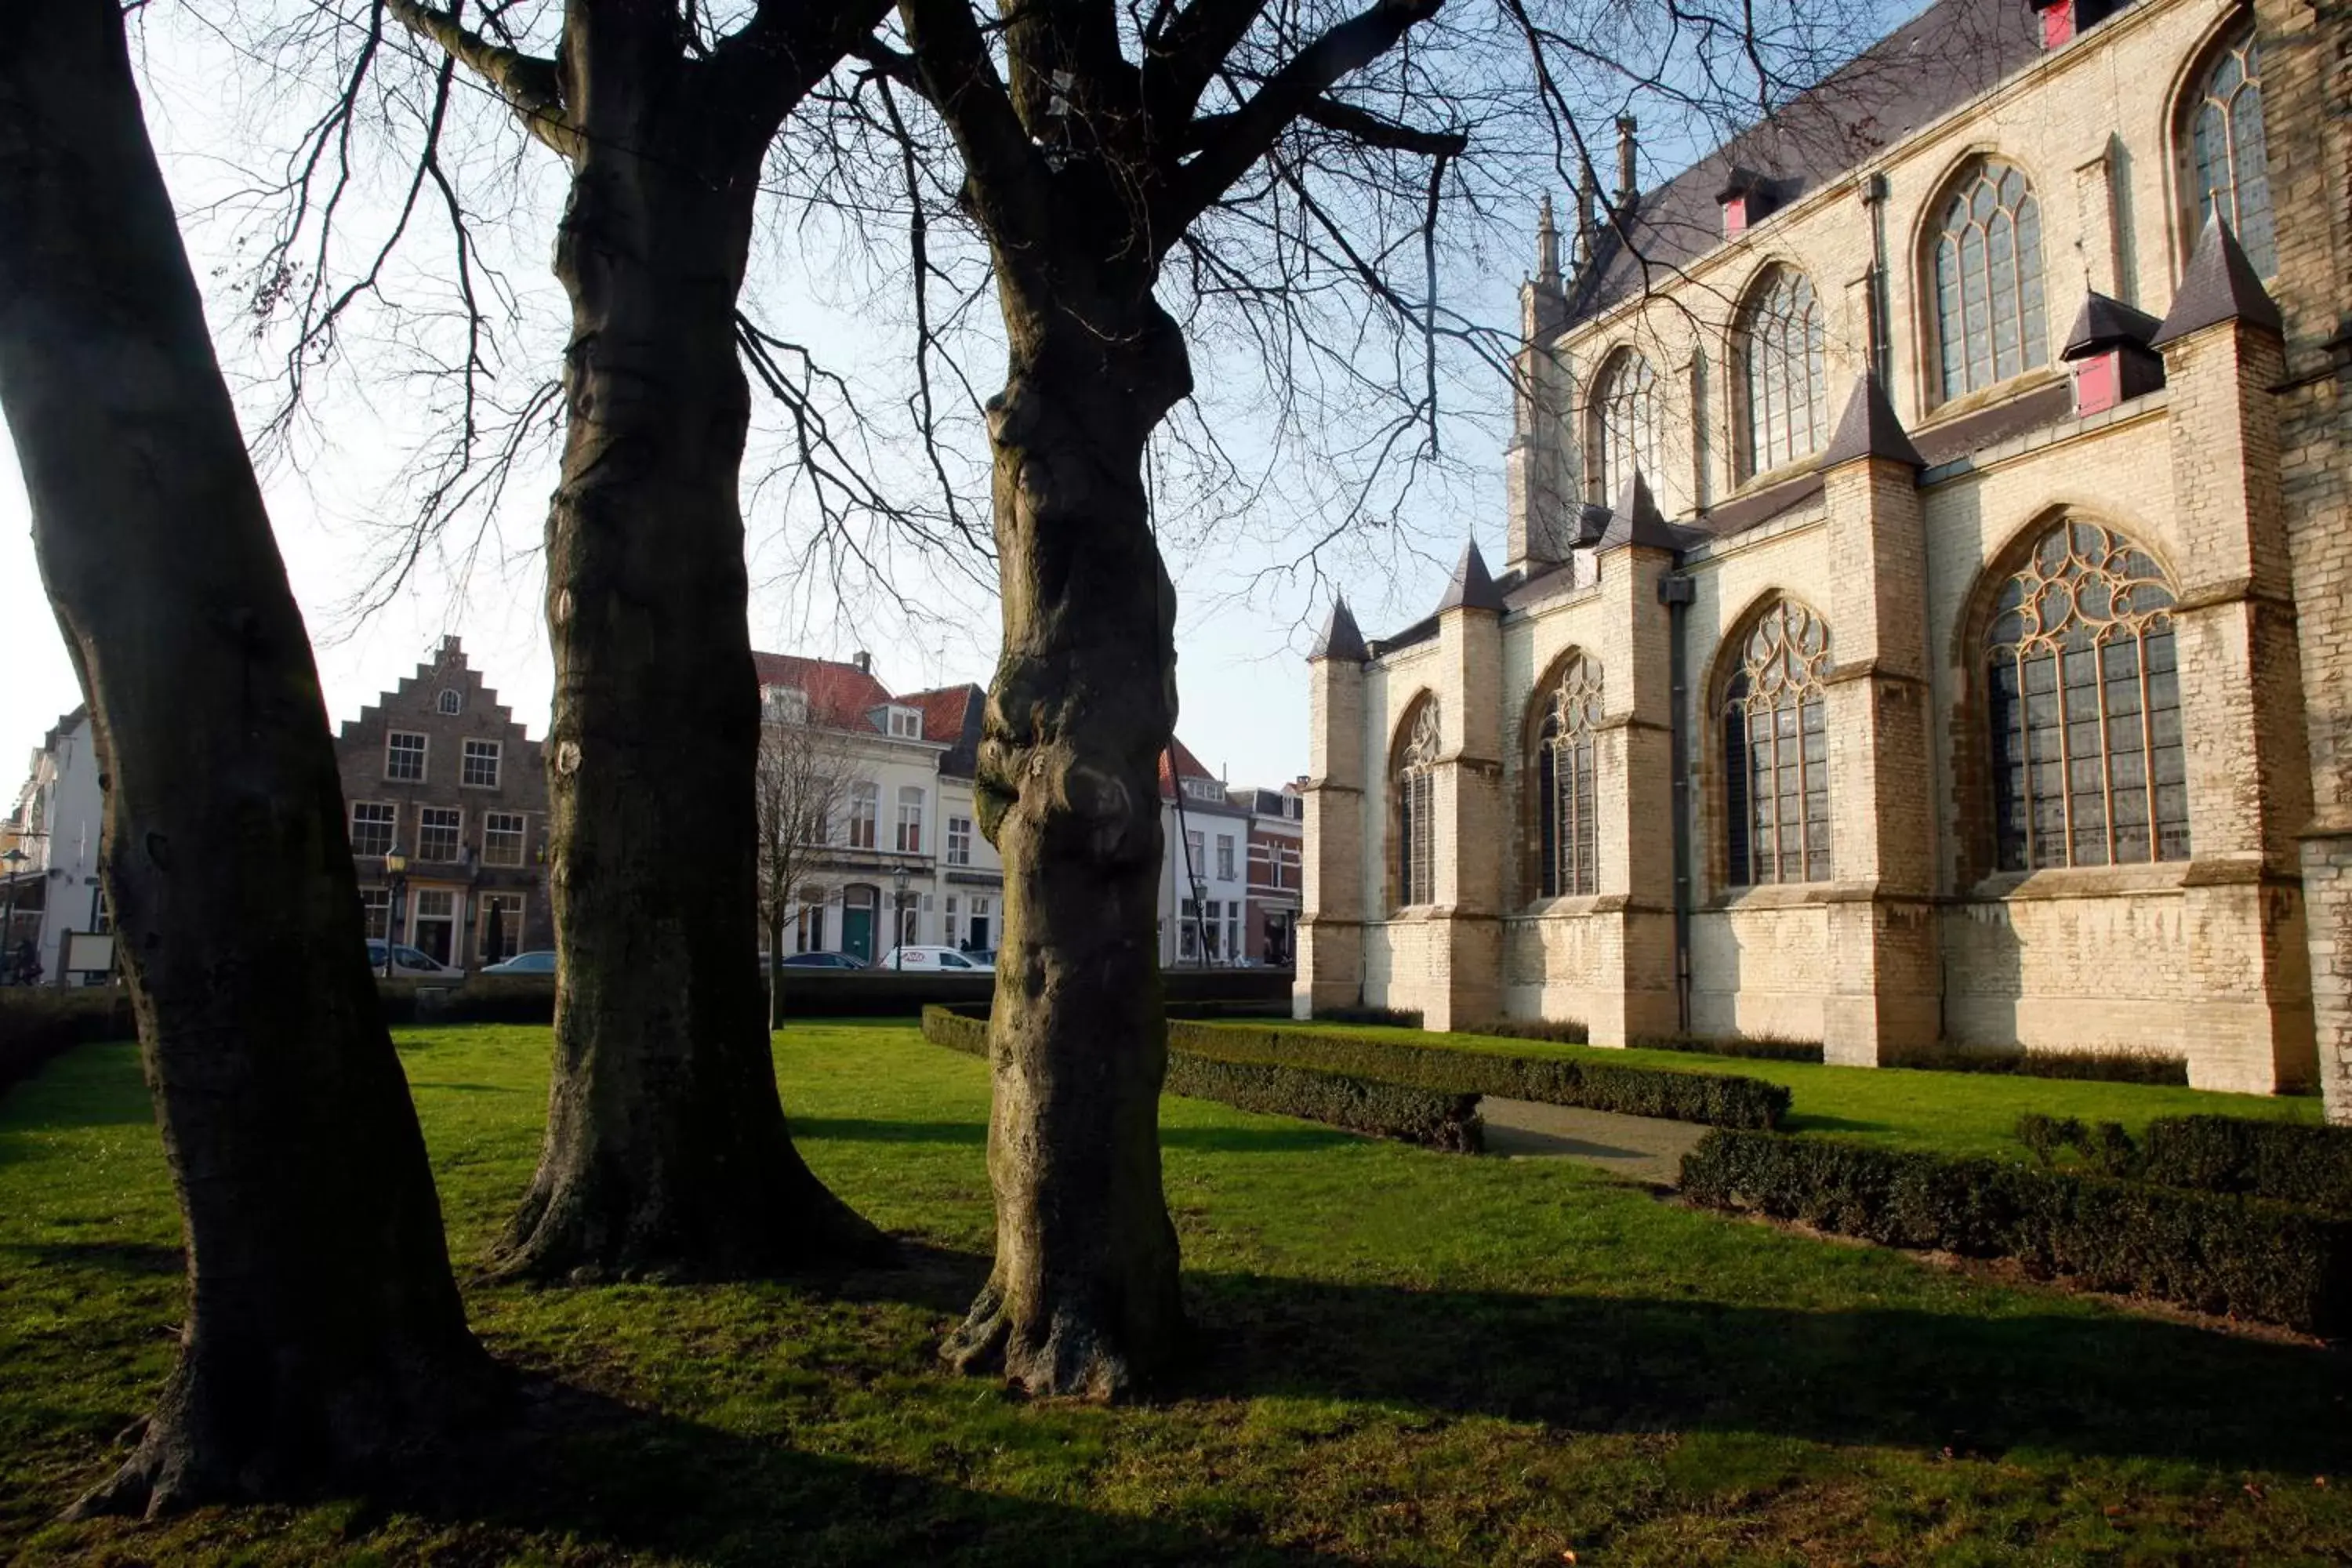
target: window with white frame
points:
(372, 823)
(480, 768)
(449, 702)
(1187, 932)
(1288, 854)
(864, 812)
(404, 757)
(905, 723)
(1232, 929)
(375, 911)
(502, 838)
(1225, 856)
(784, 704)
(959, 841)
(911, 819)
(437, 828)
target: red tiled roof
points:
(1190, 766)
(838, 694)
(944, 709)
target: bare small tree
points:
(803, 774)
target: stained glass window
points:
(1566, 807)
(1989, 281)
(1780, 348)
(1776, 752)
(2228, 174)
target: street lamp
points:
(395, 877)
(11, 857)
(898, 879)
(1200, 919)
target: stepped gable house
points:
(438, 772)
(1926, 611)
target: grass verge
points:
(1405, 1357)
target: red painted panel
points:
(2095, 382)
(2058, 25)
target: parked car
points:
(819, 961)
(541, 961)
(933, 961)
(411, 964)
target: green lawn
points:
(1404, 1357)
(1952, 1112)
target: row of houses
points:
(446, 796)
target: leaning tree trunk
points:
(324, 1334)
(1083, 1298)
(665, 1151)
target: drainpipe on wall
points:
(1676, 594)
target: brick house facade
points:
(440, 772)
(1878, 659)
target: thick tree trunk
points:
(325, 1336)
(667, 1152)
(1085, 1296)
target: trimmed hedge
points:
(2213, 1251)
(37, 1022)
(1558, 1031)
(2095, 1067)
(1756, 1048)
(1433, 1119)
(1713, 1099)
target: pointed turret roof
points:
(2220, 286)
(1636, 520)
(1341, 639)
(2103, 323)
(1869, 429)
(1472, 587)
(1547, 245)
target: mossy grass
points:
(1402, 1357)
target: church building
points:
(1925, 612)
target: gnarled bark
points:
(667, 1152)
(324, 1334)
(1085, 1296)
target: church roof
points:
(1473, 586)
(2219, 286)
(1636, 520)
(1868, 428)
(1941, 58)
(2103, 323)
(1341, 637)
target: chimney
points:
(863, 661)
(1626, 187)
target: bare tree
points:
(805, 774)
(324, 1333)
(666, 1150)
(1288, 170)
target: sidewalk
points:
(1640, 1148)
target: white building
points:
(903, 861)
(56, 826)
(1204, 865)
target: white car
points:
(933, 961)
(411, 964)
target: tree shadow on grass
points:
(586, 1468)
(1282, 1140)
(109, 1256)
(2105, 1385)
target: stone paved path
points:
(1643, 1148)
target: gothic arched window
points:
(1566, 808)
(1416, 801)
(1625, 434)
(1776, 752)
(1780, 354)
(2088, 767)
(2228, 176)
(1989, 315)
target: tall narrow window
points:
(959, 841)
(1417, 810)
(1775, 752)
(911, 819)
(2228, 176)
(1989, 315)
(1784, 382)
(2088, 767)
(1564, 782)
(865, 810)
(1624, 423)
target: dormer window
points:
(904, 723)
(1205, 789)
(1745, 198)
(784, 704)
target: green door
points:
(857, 933)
